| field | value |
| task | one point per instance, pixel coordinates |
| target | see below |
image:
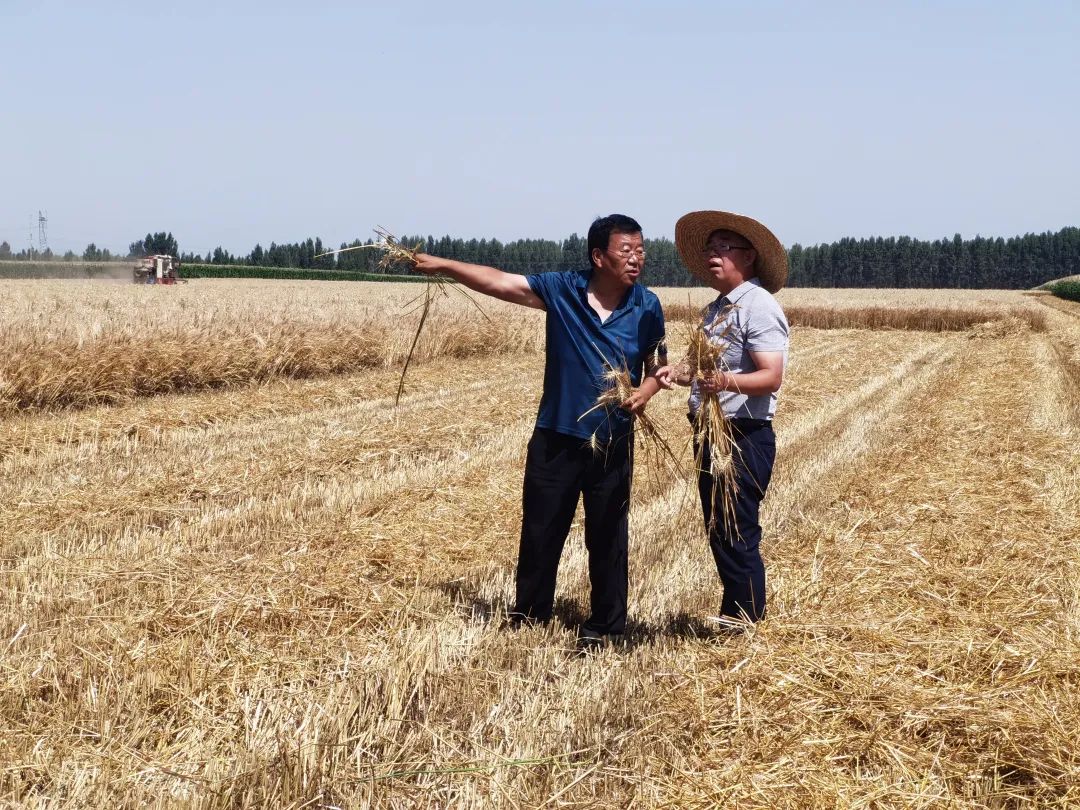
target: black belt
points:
(742, 424)
(750, 424)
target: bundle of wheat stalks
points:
(395, 253)
(704, 358)
(619, 387)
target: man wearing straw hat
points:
(745, 326)
(594, 318)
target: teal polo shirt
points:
(577, 345)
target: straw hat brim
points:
(692, 232)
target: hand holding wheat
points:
(635, 403)
(426, 263)
(713, 382)
(396, 253)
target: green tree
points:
(154, 244)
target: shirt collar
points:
(734, 296)
(633, 299)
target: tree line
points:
(153, 243)
(1018, 262)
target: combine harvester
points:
(157, 269)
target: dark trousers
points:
(735, 538)
(559, 469)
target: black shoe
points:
(588, 641)
(518, 621)
(730, 626)
(591, 641)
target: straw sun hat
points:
(692, 232)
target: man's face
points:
(624, 258)
(731, 260)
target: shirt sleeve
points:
(767, 330)
(543, 284)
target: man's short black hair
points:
(603, 227)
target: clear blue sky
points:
(244, 122)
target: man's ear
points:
(595, 256)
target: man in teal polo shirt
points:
(591, 315)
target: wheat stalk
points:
(395, 253)
(619, 386)
(706, 356)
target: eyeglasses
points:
(721, 248)
(627, 252)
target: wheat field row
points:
(78, 344)
(290, 594)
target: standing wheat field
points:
(235, 575)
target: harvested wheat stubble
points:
(35, 431)
(228, 464)
(1064, 341)
(320, 625)
(961, 685)
(851, 418)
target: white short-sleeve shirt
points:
(747, 319)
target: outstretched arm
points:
(487, 280)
